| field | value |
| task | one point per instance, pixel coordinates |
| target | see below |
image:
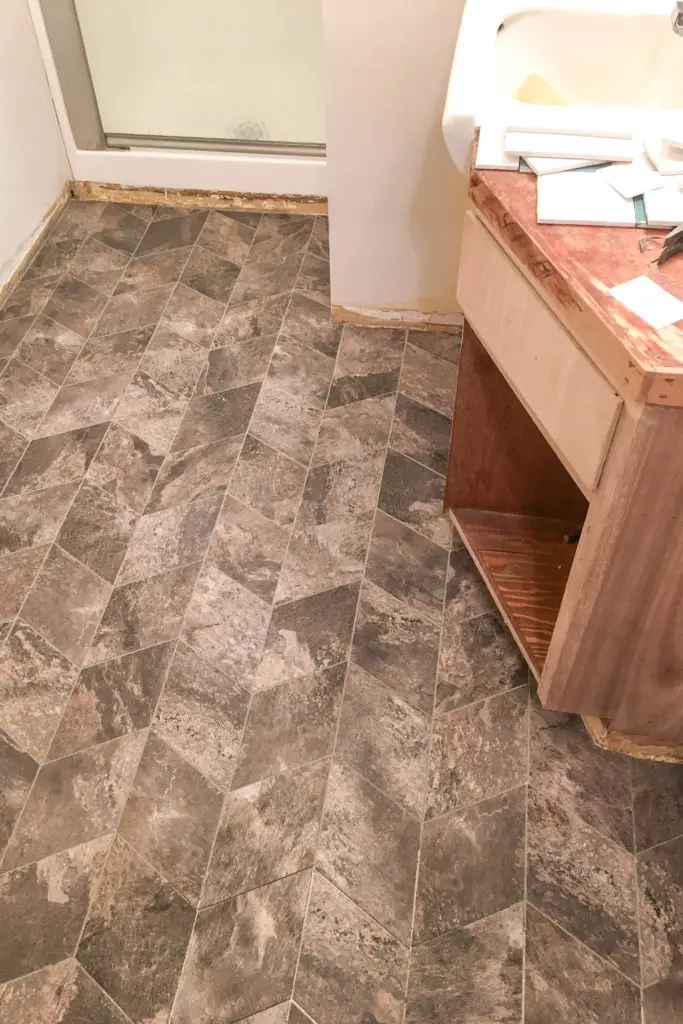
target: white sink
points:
(616, 65)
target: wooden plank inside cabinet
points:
(571, 402)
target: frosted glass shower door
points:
(207, 69)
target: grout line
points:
(639, 935)
(97, 984)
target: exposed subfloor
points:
(264, 736)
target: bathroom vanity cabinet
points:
(565, 476)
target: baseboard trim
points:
(413, 319)
(111, 193)
(36, 241)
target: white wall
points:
(396, 200)
(33, 163)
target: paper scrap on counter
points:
(582, 197)
(649, 301)
(664, 208)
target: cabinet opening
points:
(516, 507)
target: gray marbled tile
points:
(84, 404)
(53, 257)
(17, 770)
(314, 278)
(663, 1003)
(368, 364)
(12, 332)
(75, 305)
(17, 572)
(268, 481)
(192, 316)
(144, 613)
(445, 344)
(269, 277)
(258, 318)
(243, 953)
(299, 718)
(173, 361)
(286, 421)
(414, 495)
(236, 364)
(214, 417)
(126, 467)
(349, 964)
(478, 656)
(227, 624)
(134, 309)
(28, 298)
(112, 699)
(478, 750)
(428, 379)
(324, 556)
(152, 411)
(102, 356)
(210, 274)
(50, 349)
(12, 446)
(227, 237)
(397, 645)
(65, 604)
(308, 634)
(34, 998)
(195, 472)
(248, 547)
(55, 460)
(175, 233)
(152, 271)
(409, 566)
(472, 974)
(385, 740)
(583, 881)
(78, 219)
(300, 370)
(311, 322)
(168, 539)
(171, 816)
(422, 433)
(354, 430)
(35, 683)
(75, 799)
(25, 396)
(38, 929)
(340, 489)
(593, 784)
(136, 955)
(319, 244)
(202, 714)
(471, 864)
(565, 981)
(280, 234)
(660, 883)
(118, 227)
(369, 848)
(99, 266)
(97, 531)
(268, 830)
(33, 519)
(82, 1000)
(466, 593)
(657, 802)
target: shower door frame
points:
(162, 163)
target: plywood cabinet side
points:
(573, 405)
(617, 648)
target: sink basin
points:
(612, 66)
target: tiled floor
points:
(263, 736)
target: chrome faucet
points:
(677, 18)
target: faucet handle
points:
(677, 17)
